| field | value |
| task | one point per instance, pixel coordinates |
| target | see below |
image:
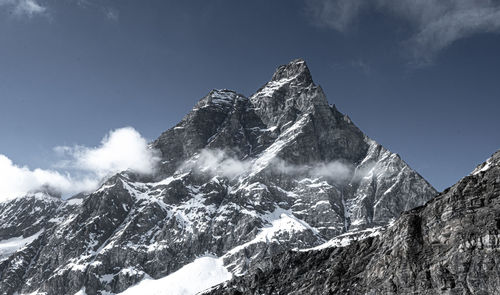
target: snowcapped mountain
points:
(240, 180)
(450, 245)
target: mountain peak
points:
(291, 91)
(494, 160)
(219, 98)
(296, 69)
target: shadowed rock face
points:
(451, 245)
(241, 178)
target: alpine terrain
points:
(451, 245)
(243, 187)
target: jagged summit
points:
(491, 161)
(296, 69)
(290, 89)
(290, 92)
(219, 98)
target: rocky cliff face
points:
(451, 245)
(240, 178)
(27, 215)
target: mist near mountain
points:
(81, 168)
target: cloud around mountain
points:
(120, 149)
(81, 168)
(218, 162)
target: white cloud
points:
(84, 167)
(221, 163)
(18, 180)
(31, 8)
(335, 170)
(218, 162)
(120, 149)
(435, 24)
(21, 8)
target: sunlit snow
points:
(199, 275)
(10, 246)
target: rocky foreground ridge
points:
(451, 245)
(242, 179)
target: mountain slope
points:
(240, 178)
(27, 215)
(451, 245)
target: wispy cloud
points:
(336, 14)
(32, 8)
(24, 8)
(336, 171)
(81, 168)
(217, 162)
(112, 14)
(435, 24)
(362, 66)
(221, 163)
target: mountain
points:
(240, 180)
(451, 245)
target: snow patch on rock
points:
(199, 275)
(11, 245)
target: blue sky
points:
(420, 77)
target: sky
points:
(79, 77)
